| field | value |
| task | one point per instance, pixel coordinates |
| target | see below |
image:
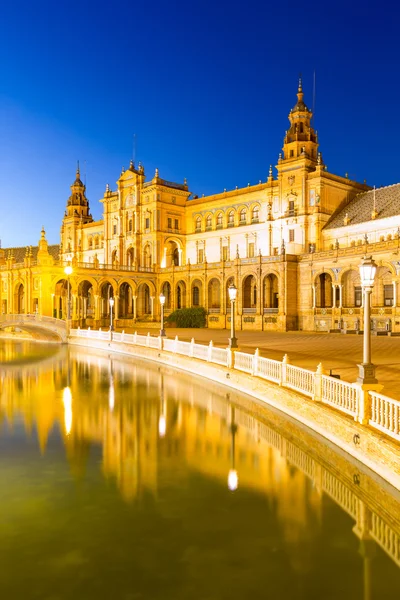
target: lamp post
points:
(232, 290)
(68, 271)
(111, 303)
(162, 302)
(366, 371)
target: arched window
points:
(208, 222)
(255, 214)
(219, 220)
(90, 242)
(196, 296)
(130, 223)
(231, 218)
(198, 224)
(243, 216)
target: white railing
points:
(341, 395)
(385, 414)
(300, 380)
(384, 535)
(269, 369)
(243, 362)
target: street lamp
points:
(162, 302)
(232, 290)
(111, 303)
(366, 371)
(68, 271)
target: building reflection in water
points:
(145, 419)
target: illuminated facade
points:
(291, 245)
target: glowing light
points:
(111, 395)
(232, 290)
(233, 480)
(162, 426)
(367, 271)
(67, 401)
(162, 299)
(111, 301)
(68, 270)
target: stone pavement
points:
(338, 352)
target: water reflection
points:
(236, 501)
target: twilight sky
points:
(205, 86)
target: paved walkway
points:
(338, 352)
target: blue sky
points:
(205, 86)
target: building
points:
(291, 244)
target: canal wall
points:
(373, 449)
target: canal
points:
(120, 479)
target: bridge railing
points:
(383, 412)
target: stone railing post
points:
(148, 339)
(285, 362)
(318, 383)
(191, 348)
(160, 342)
(209, 353)
(135, 337)
(255, 362)
(175, 344)
(364, 401)
(231, 358)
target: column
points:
(333, 295)
(180, 256)
(134, 298)
(152, 307)
(116, 308)
(340, 296)
(313, 296)
(97, 307)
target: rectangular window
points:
(224, 252)
(176, 224)
(114, 230)
(169, 223)
(291, 154)
(357, 296)
(201, 256)
(388, 295)
(291, 235)
(312, 198)
(251, 250)
(147, 223)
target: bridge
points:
(38, 326)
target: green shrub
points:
(188, 317)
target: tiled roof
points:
(359, 209)
(19, 253)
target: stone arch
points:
(382, 292)
(228, 283)
(214, 294)
(85, 301)
(172, 252)
(125, 301)
(180, 290)
(106, 291)
(219, 219)
(352, 293)
(197, 293)
(271, 291)
(255, 212)
(243, 213)
(60, 297)
(167, 291)
(198, 222)
(130, 256)
(147, 256)
(209, 221)
(114, 257)
(249, 292)
(19, 298)
(230, 217)
(323, 290)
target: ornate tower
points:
(300, 140)
(76, 215)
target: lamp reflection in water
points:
(67, 401)
(162, 421)
(111, 389)
(233, 479)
